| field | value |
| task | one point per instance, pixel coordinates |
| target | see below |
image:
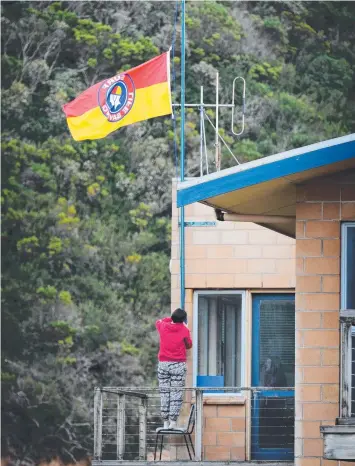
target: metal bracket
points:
(121, 427)
(98, 406)
(199, 224)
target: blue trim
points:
(259, 453)
(266, 172)
(347, 271)
(255, 359)
(210, 381)
(281, 454)
(257, 298)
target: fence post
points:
(121, 426)
(345, 372)
(199, 425)
(98, 423)
(143, 428)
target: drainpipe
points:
(225, 217)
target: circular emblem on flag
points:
(116, 97)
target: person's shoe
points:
(172, 425)
(166, 424)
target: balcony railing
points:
(127, 422)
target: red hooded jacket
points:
(174, 340)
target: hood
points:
(173, 327)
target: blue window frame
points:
(348, 265)
(347, 321)
(273, 365)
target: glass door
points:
(273, 376)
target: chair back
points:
(191, 422)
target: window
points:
(348, 266)
(347, 318)
(218, 332)
(274, 333)
(353, 371)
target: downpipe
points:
(225, 217)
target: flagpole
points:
(182, 158)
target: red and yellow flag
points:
(134, 95)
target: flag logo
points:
(128, 97)
(116, 97)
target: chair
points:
(186, 432)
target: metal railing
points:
(127, 422)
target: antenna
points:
(217, 156)
(233, 106)
(201, 131)
(203, 115)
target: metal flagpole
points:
(182, 159)
(217, 161)
(201, 131)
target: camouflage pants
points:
(171, 377)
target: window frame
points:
(344, 265)
(196, 295)
(347, 322)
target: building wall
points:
(321, 206)
(230, 255)
(227, 256)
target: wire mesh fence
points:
(128, 425)
(272, 424)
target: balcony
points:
(216, 425)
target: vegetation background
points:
(86, 226)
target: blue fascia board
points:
(266, 172)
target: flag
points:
(131, 96)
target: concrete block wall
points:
(230, 255)
(224, 437)
(226, 256)
(224, 433)
(321, 206)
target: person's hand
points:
(188, 345)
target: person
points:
(175, 339)
(272, 373)
(275, 416)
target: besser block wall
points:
(226, 256)
(321, 206)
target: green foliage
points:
(28, 244)
(48, 292)
(65, 297)
(93, 189)
(265, 72)
(90, 32)
(127, 348)
(55, 246)
(67, 216)
(63, 326)
(246, 150)
(141, 216)
(134, 258)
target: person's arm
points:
(188, 341)
(158, 324)
(160, 321)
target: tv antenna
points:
(204, 159)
